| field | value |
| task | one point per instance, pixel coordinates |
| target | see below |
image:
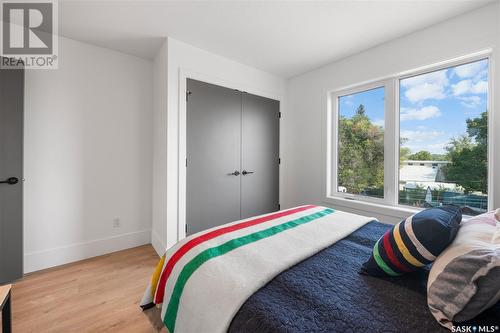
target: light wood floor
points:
(101, 294)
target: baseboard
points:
(157, 243)
(38, 260)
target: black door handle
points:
(246, 172)
(10, 181)
(236, 173)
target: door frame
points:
(184, 75)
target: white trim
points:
(437, 66)
(37, 260)
(333, 105)
(399, 212)
(491, 132)
(157, 243)
(185, 74)
(391, 140)
(390, 204)
(463, 59)
(395, 144)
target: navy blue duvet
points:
(326, 293)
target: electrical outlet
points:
(116, 222)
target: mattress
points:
(326, 293)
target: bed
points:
(304, 276)
(325, 293)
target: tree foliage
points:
(404, 152)
(361, 153)
(440, 157)
(469, 156)
(422, 155)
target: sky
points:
(433, 106)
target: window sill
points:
(373, 208)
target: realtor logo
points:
(29, 34)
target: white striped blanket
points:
(202, 281)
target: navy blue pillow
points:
(414, 242)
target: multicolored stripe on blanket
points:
(203, 280)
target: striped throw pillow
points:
(465, 279)
(414, 242)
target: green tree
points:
(422, 155)
(361, 153)
(440, 157)
(361, 110)
(404, 152)
(478, 129)
(469, 156)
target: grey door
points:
(213, 139)
(232, 156)
(11, 174)
(260, 155)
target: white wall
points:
(159, 225)
(496, 106)
(88, 155)
(305, 126)
(181, 59)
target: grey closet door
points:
(11, 174)
(213, 139)
(260, 155)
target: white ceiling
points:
(284, 38)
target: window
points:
(361, 143)
(419, 140)
(444, 119)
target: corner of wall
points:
(158, 243)
(159, 179)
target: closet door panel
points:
(213, 153)
(260, 155)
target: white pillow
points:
(465, 278)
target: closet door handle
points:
(236, 173)
(10, 181)
(244, 173)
